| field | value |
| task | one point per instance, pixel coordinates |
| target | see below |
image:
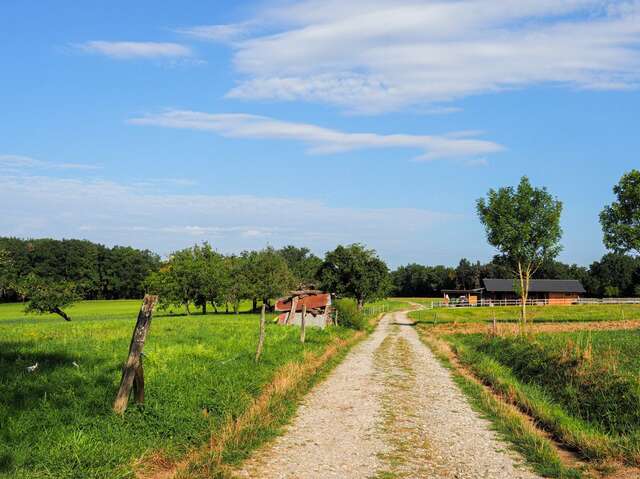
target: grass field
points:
(583, 387)
(57, 422)
(596, 312)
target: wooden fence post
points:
(262, 333)
(303, 323)
(292, 314)
(132, 373)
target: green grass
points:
(537, 449)
(595, 312)
(582, 387)
(200, 372)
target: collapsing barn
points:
(318, 308)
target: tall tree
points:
(356, 272)
(621, 219)
(269, 274)
(524, 225)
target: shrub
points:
(348, 314)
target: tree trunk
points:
(236, 308)
(204, 307)
(360, 304)
(227, 307)
(59, 312)
(215, 306)
(255, 304)
(186, 306)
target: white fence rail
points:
(531, 302)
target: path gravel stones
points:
(389, 410)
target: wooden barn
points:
(551, 291)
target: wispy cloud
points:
(19, 162)
(131, 50)
(379, 55)
(117, 213)
(319, 140)
(218, 33)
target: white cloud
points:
(218, 33)
(116, 213)
(319, 139)
(19, 162)
(130, 50)
(379, 55)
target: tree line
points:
(96, 271)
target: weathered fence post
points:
(303, 323)
(292, 314)
(132, 373)
(262, 333)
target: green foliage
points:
(303, 264)
(523, 224)
(98, 271)
(356, 272)
(46, 296)
(349, 316)
(267, 273)
(621, 219)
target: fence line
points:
(532, 302)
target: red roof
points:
(312, 301)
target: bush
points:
(348, 314)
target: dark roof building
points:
(553, 291)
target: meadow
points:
(596, 312)
(57, 421)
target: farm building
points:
(554, 291)
(318, 307)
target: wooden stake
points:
(292, 313)
(132, 373)
(302, 323)
(262, 334)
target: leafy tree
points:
(212, 276)
(468, 274)
(268, 273)
(621, 219)
(615, 272)
(302, 263)
(237, 283)
(524, 225)
(46, 296)
(356, 272)
(180, 281)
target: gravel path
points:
(389, 410)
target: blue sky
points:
(312, 123)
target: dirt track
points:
(389, 410)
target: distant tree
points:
(524, 225)
(8, 275)
(468, 274)
(356, 272)
(180, 281)
(237, 284)
(302, 263)
(269, 275)
(615, 272)
(621, 219)
(46, 296)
